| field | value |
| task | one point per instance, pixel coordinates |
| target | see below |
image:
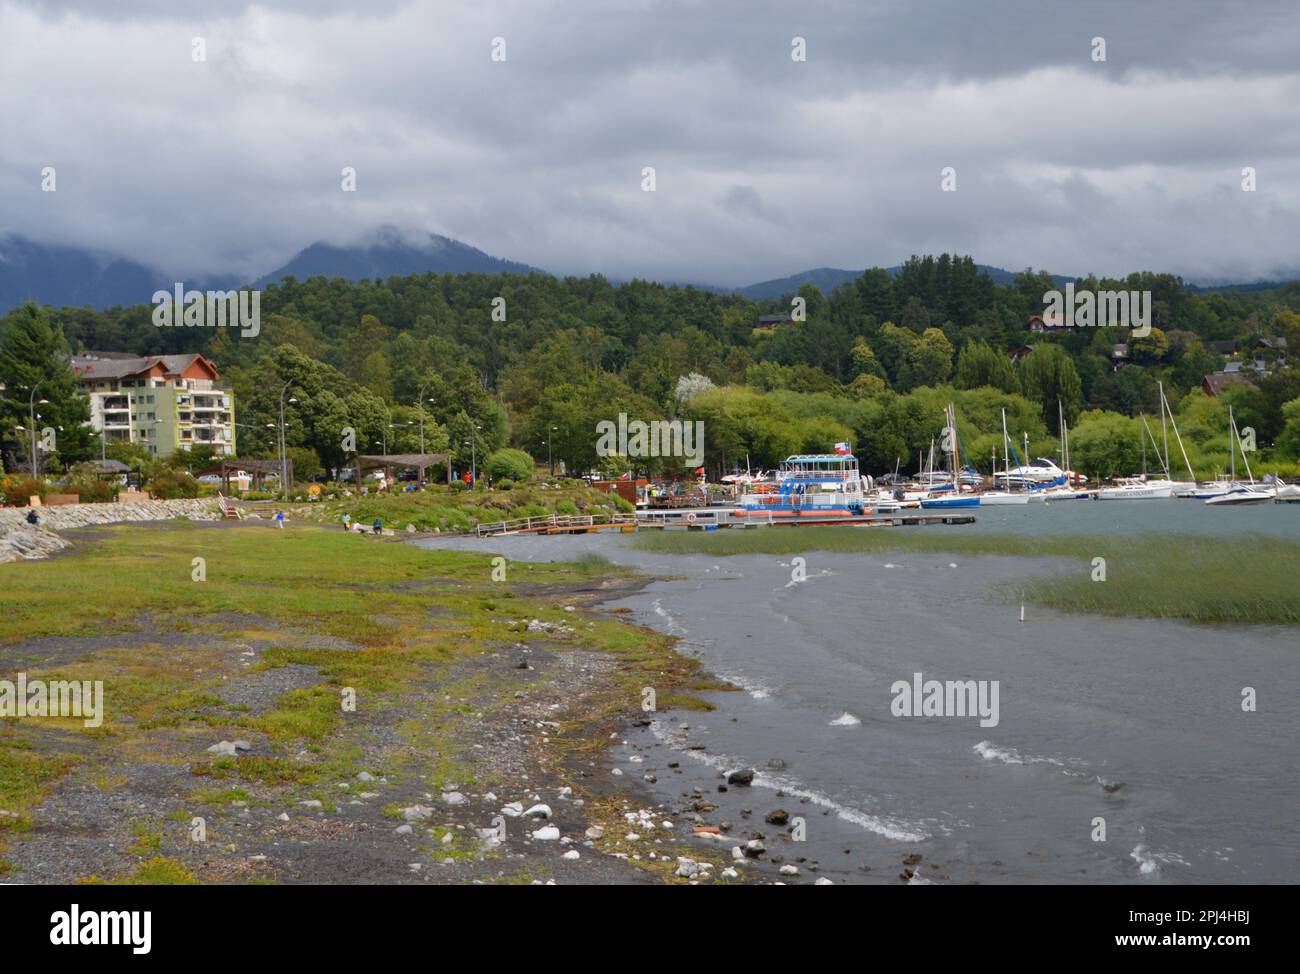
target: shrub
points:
(94, 492)
(172, 486)
(505, 484)
(508, 464)
(18, 490)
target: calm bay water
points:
(1134, 725)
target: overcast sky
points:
(764, 165)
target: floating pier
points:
(703, 519)
(715, 518)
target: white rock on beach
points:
(539, 810)
(548, 833)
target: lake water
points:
(1131, 725)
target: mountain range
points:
(73, 276)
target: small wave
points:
(1009, 755)
(845, 719)
(673, 628)
(756, 690)
(1149, 862)
(887, 827)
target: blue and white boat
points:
(810, 485)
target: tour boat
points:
(814, 485)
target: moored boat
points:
(822, 485)
(1242, 494)
(1137, 489)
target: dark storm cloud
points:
(763, 165)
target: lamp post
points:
(383, 436)
(550, 462)
(473, 457)
(284, 456)
(420, 403)
(31, 419)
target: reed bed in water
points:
(1247, 580)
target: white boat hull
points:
(1135, 493)
(994, 499)
(1241, 497)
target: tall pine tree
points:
(35, 364)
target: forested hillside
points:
(872, 363)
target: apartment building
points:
(163, 402)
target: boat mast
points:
(1232, 446)
(1006, 453)
(1174, 423)
(1155, 445)
(1144, 448)
(952, 431)
(1164, 430)
(1244, 459)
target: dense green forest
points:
(523, 360)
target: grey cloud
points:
(233, 165)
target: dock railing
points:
(555, 522)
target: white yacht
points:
(1137, 489)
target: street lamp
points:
(549, 461)
(419, 401)
(284, 456)
(473, 457)
(31, 416)
(383, 434)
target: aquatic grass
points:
(1242, 580)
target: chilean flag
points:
(843, 449)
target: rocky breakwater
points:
(20, 540)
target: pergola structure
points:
(257, 468)
(419, 462)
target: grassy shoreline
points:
(427, 640)
(1251, 580)
(448, 509)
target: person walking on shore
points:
(279, 520)
(347, 522)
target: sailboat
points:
(1066, 491)
(1139, 488)
(1240, 494)
(954, 497)
(1008, 496)
(1182, 488)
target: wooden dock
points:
(559, 524)
(717, 518)
(700, 519)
